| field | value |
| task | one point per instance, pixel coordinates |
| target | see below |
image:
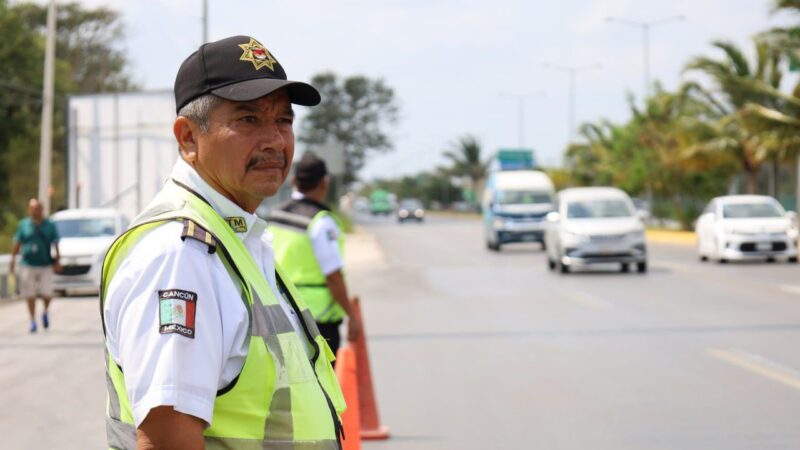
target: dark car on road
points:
(410, 209)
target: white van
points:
(514, 206)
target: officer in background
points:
(309, 246)
(208, 344)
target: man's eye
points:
(249, 119)
(285, 121)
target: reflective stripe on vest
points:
(295, 253)
(280, 399)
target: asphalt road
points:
(478, 350)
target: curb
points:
(687, 238)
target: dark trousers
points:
(330, 331)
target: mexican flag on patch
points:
(176, 312)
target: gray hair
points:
(199, 110)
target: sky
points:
(457, 67)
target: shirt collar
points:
(242, 222)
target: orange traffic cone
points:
(371, 428)
(346, 373)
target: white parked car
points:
(85, 235)
(595, 225)
(743, 227)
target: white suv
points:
(85, 236)
(595, 225)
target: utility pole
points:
(572, 71)
(645, 27)
(521, 112)
(205, 21)
(46, 137)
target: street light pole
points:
(645, 27)
(572, 72)
(46, 136)
(521, 112)
(205, 21)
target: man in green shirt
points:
(37, 237)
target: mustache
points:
(272, 159)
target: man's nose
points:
(271, 137)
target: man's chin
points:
(270, 188)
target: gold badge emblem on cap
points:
(258, 55)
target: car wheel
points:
(625, 267)
(723, 261)
(563, 267)
(551, 264)
(703, 258)
(641, 267)
(792, 260)
(770, 260)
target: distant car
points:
(86, 235)
(595, 225)
(744, 227)
(410, 209)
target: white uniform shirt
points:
(172, 369)
(324, 235)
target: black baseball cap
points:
(237, 68)
(310, 168)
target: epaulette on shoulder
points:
(195, 231)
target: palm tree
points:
(739, 84)
(466, 160)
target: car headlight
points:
(498, 223)
(792, 232)
(419, 213)
(403, 213)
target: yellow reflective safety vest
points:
(290, 225)
(281, 399)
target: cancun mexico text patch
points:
(176, 309)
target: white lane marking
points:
(790, 289)
(760, 365)
(589, 300)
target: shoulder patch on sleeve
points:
(332, 234)
(195, 231)
(176, 312)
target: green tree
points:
(356, 113)
(739, 83)
(466, 158)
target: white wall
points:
(121, 149)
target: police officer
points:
(309, 245)
(208, 344)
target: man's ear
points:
(186, 132)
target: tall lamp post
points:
(520, 98)
(572, 71)
(46, 136)
(645, 27)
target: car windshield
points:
(751, 210)
(595, 209)
(411, 204)
(70, 228)
(522, 197)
